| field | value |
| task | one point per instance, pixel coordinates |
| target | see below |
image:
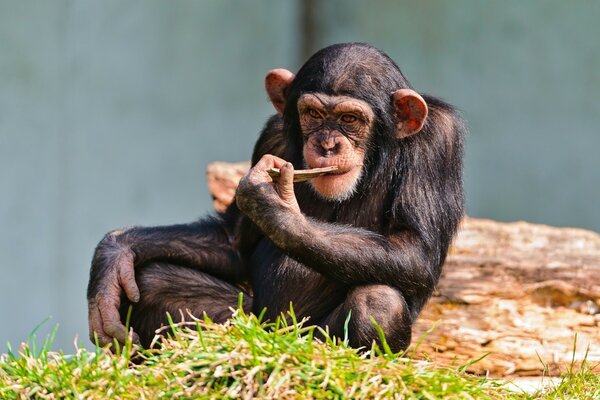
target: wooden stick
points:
(301, 175)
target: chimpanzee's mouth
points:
(343, 170)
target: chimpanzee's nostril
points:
(329, 143)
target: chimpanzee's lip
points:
(340, 172)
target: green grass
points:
(249, 359)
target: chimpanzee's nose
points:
(329, 143)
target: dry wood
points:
(517, 291)
(520, 292)
(222, 179)
(301, 175)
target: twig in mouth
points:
(302, 175)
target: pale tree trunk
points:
(524, 293)
(521, 292)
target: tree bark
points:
(527, 295)
(520, 292)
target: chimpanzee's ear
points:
(277, 83)
(410, 112)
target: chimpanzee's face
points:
(335, 131)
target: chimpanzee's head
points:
(342, 98)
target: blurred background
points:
(111, 110)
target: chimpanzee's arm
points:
(344, 253)
(357, 256)
(206, 245)
(354, 255)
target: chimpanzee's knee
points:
(387, 307)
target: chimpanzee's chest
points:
(278, 280)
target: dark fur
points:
(384, 248)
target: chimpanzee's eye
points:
(314, 113)
(349, 118)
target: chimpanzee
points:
(367, 241)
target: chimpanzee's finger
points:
(258, 174)
(269, 161)
(126, 276)
(111, 320)
(285, 185)
(96, 330)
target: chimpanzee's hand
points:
(257, 194)
(111, 274)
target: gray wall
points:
(526, 75)
(110, 111)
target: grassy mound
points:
(249, 359)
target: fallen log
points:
(522, 293)
(527, 295)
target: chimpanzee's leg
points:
(167, 288)
(387, 307)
